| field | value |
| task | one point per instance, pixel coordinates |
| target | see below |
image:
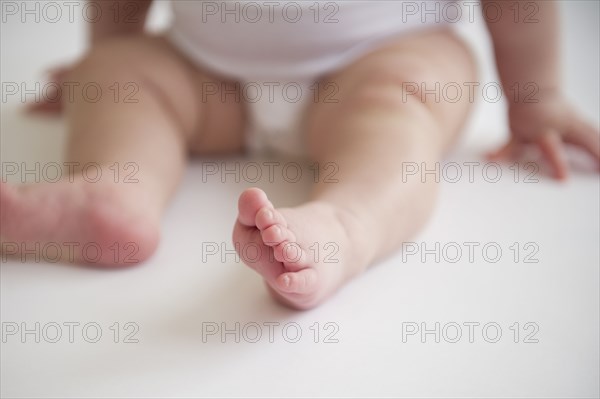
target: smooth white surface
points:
(172, 295)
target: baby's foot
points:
(304, 254)
(75, 222)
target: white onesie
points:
(277, 50)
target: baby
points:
(364, 71)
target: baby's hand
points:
(549, 123)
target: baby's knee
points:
(386, 92)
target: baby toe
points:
(276, 234)
(303, 282)
(267, 216)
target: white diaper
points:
(276, 114)
(282, 47)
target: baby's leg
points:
(378, 124)
(138, 133)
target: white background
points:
(172, 295)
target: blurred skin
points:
(373, 128)
(526, 50)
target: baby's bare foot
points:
(75, 222)
(303, 253)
